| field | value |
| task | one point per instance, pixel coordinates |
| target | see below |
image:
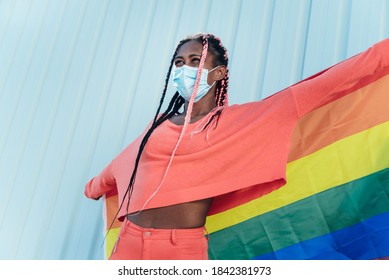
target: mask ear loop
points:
(209, 71)
(187, 121)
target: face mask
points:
(184, 79)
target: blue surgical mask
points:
(184, 79)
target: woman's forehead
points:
(191, 47)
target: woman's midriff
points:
(185, 215)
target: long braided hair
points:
(219, 54)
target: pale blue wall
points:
(80, 79)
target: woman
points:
(187, 218)
(185, 161)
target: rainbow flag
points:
(335, 204)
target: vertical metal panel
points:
(80, 79)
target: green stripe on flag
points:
(311, 217)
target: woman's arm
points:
(101, 184)
(342, 79)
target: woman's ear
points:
(220, 72)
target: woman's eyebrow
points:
(191, 55)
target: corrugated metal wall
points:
(80, 79)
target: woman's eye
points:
(195, 60)
(178, 63)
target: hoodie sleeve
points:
(341, 79)
(101, 184)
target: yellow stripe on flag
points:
(110, 241)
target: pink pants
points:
(138, 243)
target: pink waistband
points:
(133, 229)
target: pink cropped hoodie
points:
(247, 150)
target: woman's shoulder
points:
(273, 102)
(277, 106)
(234, 108)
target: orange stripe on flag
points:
(358, 111)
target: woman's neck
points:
(198, 111)
(202, 107)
